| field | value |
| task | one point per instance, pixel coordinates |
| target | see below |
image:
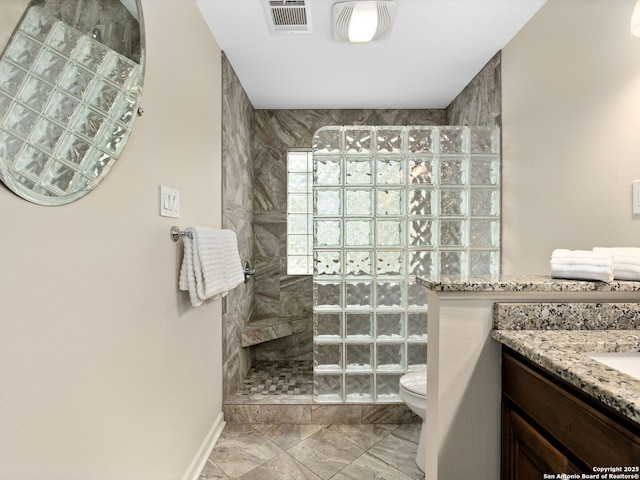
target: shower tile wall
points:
(237, 184)
(480, 103)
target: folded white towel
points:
(577, 272)
(233, 265)
(626, 262)
(633, 251)
(187, 274)
(211, 265)
(581, 257)
(582, 265)
(628, 273)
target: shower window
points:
(299, 212)
(391, 203)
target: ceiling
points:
(434, 50)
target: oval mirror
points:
(70, 84)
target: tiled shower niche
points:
(391, 203)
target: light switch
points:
(635, 197)
(169, 202)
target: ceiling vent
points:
(288, 16)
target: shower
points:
(255, 143)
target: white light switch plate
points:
(635, 188)
(169, 202)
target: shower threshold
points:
(282, 393)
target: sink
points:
(625, 362)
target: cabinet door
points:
(527, 455)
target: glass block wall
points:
(391, 203)
(299, 212)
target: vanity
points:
(566, 405)
(465, 359)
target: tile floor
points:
(293, 377)
(314, 452)
(256, 445)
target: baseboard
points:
(201, 457)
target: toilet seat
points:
(415, 382)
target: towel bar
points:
(176, 233)
(248, 271)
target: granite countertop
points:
(523, 283)
(562, 352)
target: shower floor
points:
(282, 393)
(278, 378)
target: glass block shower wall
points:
(391, 203)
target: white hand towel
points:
(626, 262)
(582, 265)
(633, 251)
(581, 257)
(212, 260)
(627, 273)
(577, 272)
(211, 265)
(189, 279)
(233, 266)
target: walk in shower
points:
(392, 203)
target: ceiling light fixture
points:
(635, 20)
(361, 21)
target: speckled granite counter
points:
(556, 337)
(524, 283)
(562, 352)
(566, 316)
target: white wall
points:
(106, 371)
(571, 123)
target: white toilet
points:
(413, 392)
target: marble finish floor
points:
(315, 452)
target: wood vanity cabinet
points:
(551, 427)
